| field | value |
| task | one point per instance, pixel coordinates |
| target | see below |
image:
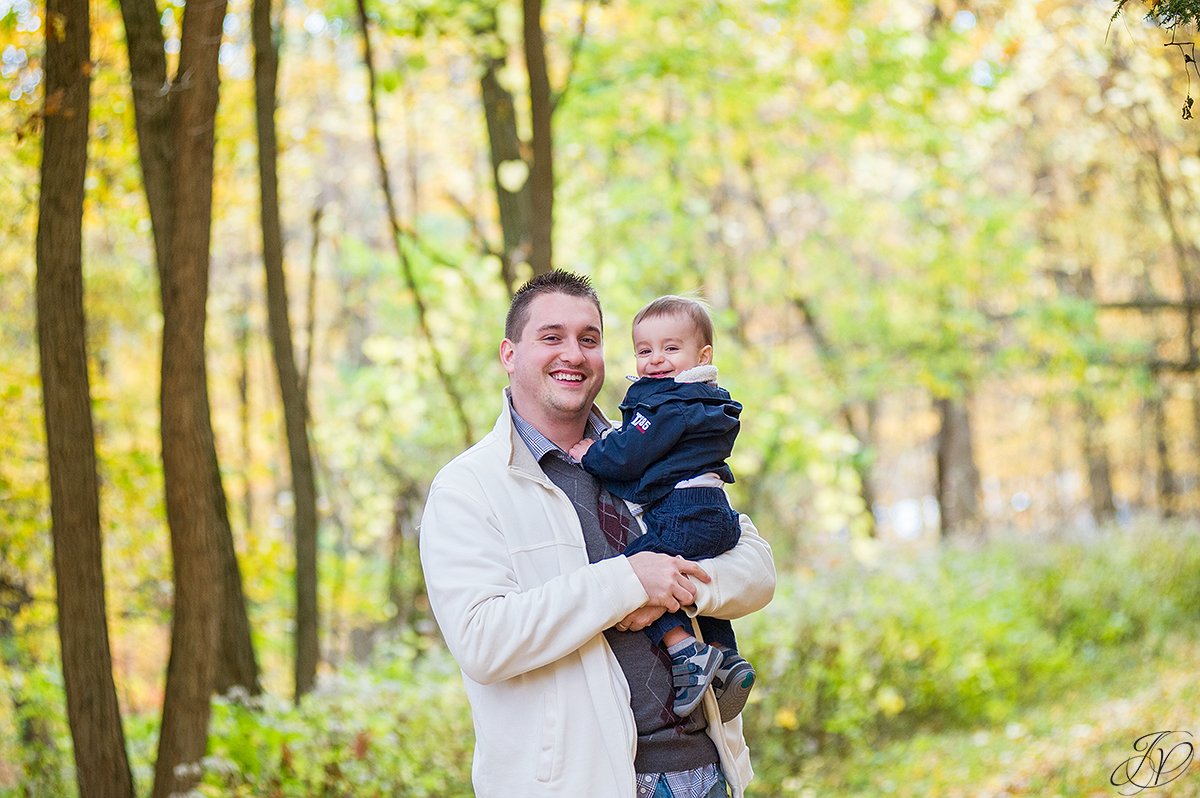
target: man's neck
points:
(562, 432)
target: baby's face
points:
(667, 345)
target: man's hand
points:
(640, 618)
(580, 449)
(666, 579)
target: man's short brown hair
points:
(557, 281)
(682, 307)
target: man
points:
(519, 545)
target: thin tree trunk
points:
(541, 173)
(243, 388)
(1095, 455)
(957, 476)
(154, 108)
(304, 491)
(187, 440)
(101, 761)
(310, 305)
(863, 433)
(410, 278)
(1166, 483)
(504, 143)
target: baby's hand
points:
(580, 449)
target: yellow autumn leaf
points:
(786, 719)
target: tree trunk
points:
(1095, 454)
(266, 70)
(101, 761)
(1166, 484)
(153, 110)
(541, 173)
(187, 440)
(505, 147)
(957, 476)
(242, 345)
(236, 663)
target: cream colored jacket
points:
(522, 612)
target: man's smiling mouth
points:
(560, 377)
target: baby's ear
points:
(706, 355)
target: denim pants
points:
(695, 523)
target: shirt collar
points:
(539, 445)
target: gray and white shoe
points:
(691, 673)
(732, 684)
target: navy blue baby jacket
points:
(670, 431)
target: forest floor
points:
(1067, 745)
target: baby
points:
(669, 455)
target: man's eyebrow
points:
(555, 327)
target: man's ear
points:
(508, 351)
(706, 355)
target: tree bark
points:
(155, 101)
(295, 412)
(505, 146)
(957, 475)
(101, 761)
(187, 439)
(541, 173)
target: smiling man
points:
(519, 546)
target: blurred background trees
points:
(952, 250)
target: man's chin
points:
(571, 402)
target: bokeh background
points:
(953, 253)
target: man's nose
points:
(572, 352)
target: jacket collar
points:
(516, 453)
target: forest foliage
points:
(905, 215)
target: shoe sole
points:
(738, 684)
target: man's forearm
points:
(743, 578)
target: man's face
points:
(557, 367)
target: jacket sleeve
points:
(494, 629)
(743, 578)
(626, 452)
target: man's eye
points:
(550, 339)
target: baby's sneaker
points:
(732, 684)
(692, 671)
